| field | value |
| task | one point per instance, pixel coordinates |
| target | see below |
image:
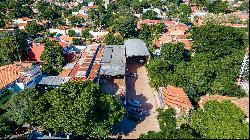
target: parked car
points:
(134, 103)
(131, 75)
(135, 118)
(136, 111)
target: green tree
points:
(167, 121)
(217, 6)
(150, 14)
(4, 127)
(18, 105)
(75, 20)
(32, 28)
(220, 121)
(58, 22)
(53, 58)
(77, 107)
(110, 39)
(76, 41)
(13, 46)
(125, 25)
(85, 33)
(71, 33)
(244, 6)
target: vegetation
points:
(4, 127)
(33, 28)
(150, 14)
(85, 33)
(71, 33)
(111, 39)
(168, 128)
(148, 33)
(53, 58)
(18, 105)
(78, 108)
(125, 25)
(220, 121)
(12, 47)
(218, 52)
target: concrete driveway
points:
(139, 89)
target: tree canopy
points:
(217, 54)
(220, 120)
(77, 107)
(167, 122)
(32, 28)
(125, 25)
(150, 14)
(111, 39)
(13, 46)
(53, 58)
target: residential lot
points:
(139, 89)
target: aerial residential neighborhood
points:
(124, 69)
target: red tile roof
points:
(176, 98)
(36, 51)
(147, 21)
(10, 73)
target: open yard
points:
(139, 89)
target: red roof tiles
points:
(176, 98)
(10, 73)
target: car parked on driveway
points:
(131, 75)
(134, 103)
(135, 118)
(136, 111)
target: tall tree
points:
(78, 108)
(18, 105)
(32, 28)
(220, 121)
(53, 58)
(150, 14)
(125, 25)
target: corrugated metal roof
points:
(113, 61)
(53, 80)
(136, 47)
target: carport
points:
(136, 50)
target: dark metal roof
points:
(113, 61)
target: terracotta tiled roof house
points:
(11, 73)
(176, 98)
(36, 51)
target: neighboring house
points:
(176, 98)
(28, 77)
(198, 15)
(22, 20)
(98, 35)
(66, 39)
(50, 82)
(18, 76)
(35, 52)
(61, 30)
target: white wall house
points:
(60, 31)
(22, 20)
(28, 78)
